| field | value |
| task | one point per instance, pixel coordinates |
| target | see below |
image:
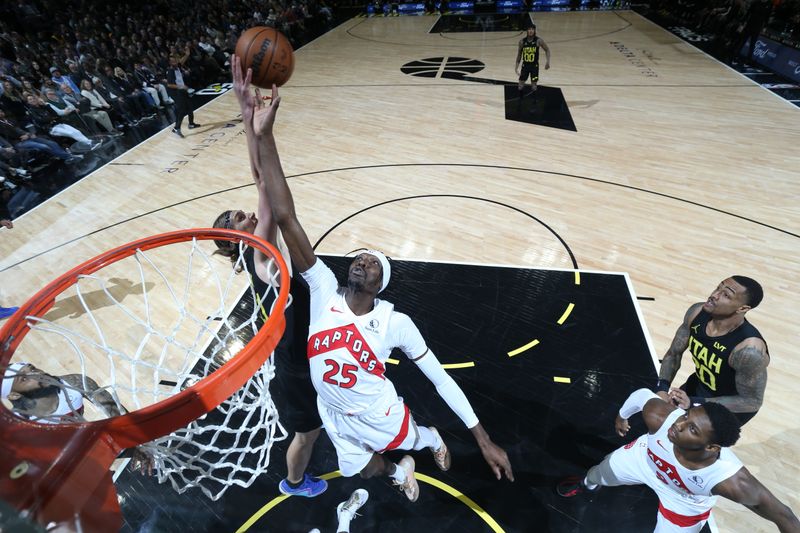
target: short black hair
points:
(754, 291)
(724, 423)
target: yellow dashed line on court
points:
(457, 494)
(559, 379)
(521, 349)
(577, 278)
(458, 365)
(570, 307)
(448, 366)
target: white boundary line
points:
(782, 99)
(646, 332)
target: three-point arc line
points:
(457, 494)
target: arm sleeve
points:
(448, 389)
(635, 402)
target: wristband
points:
(697, 400)
(662, 385)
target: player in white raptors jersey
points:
(685, 459)
(350, 337)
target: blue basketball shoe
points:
(309, 488)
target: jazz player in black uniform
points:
(729, 354)
(528, 54)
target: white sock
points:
(589, 486)
(427, 439)
(399, 474)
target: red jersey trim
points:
(680, 519)
(401, 436)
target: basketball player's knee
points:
(307, 438)
(375, 466)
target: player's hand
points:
(241, 88)
(143, 461)
(679, 398)
(264, 116)
(6, 223)
(622, 426)
(497, 459)
(547, 66)
(516, 69)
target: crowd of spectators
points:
(732, 23)
(78, 74)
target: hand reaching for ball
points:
(264, 115)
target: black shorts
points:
(291, 389)
(529, 69)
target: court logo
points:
(215, 89)
(548, 109)
(443, 67)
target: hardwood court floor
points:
(681, 173)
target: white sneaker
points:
(442, 455)
(409, 487)
(347, 509)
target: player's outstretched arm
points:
(745, 489)
(654, 407)
(266, 227)
(451, 393)
(519, 57)
(92, 392)
(280, 196)
(672, 359)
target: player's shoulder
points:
(693, 312)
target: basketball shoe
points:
(308, 488)
(574, 486)
(442, 455)
(409, 487)
(346, 511)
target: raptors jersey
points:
(347, 353)
(681, 490)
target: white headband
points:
(8, 378)
(387, 269)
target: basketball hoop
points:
(184, 367)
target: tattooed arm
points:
(750, 360)
(672, 359)
(92, 392)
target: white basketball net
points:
(144, 342)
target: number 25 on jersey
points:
(343, 376)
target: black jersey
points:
(710, 355)
(295, 335)
(530, 50)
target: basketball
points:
(269, 53)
